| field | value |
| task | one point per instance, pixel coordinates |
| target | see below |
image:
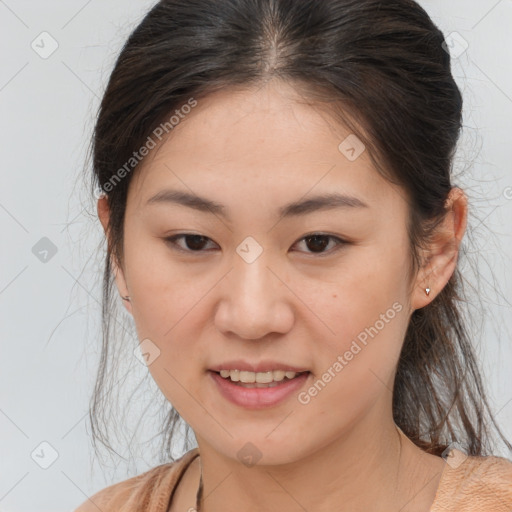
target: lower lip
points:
(258, 398)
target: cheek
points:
(356, 365)
(166, 291)
(365, 310)
(359, 292)
(165, 312)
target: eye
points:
(318, 242)
(193, 242)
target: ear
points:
(104, 216)
(442, 255)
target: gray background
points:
(50, 309)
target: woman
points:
(283, 228)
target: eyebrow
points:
(294, 209)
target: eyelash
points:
(339, 242)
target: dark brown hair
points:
(380, 69)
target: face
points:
(321, 289)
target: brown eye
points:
(316, 243)
(193, 242)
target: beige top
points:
(468, 484)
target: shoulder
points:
(473, 483)
(151, 489)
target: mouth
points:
(267, 379)
(246, 389)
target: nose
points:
(254, 300)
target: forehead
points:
(254, 142)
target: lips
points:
(259, 367)
(258, 396)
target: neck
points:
(365, 469)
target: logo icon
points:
(44, 455)
(455, 45)
(352, 147)
(44, 250)
(249, 455)
(147, 352)
(44, 45)
(454, 455)
(249, 250)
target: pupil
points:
(196, 239)
(316, 238)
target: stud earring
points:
(427, 291)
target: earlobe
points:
(425, 288)
(103, 212)
(104, 216)
(121, 285)
(444, 250)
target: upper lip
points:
(261, 366)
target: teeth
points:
(258, 377)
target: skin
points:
(255, 150)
